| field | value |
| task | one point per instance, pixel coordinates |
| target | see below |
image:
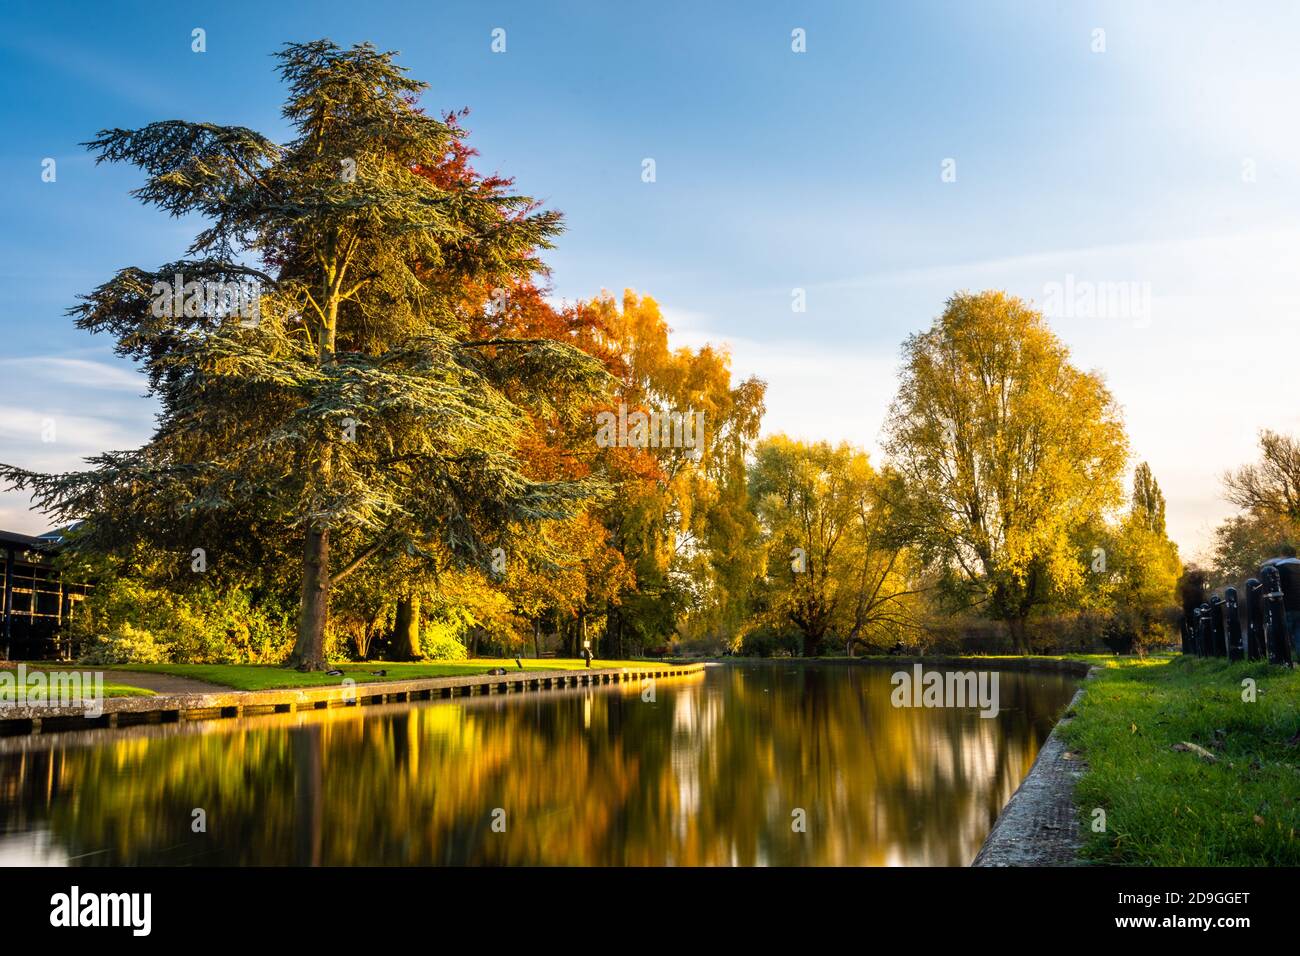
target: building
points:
(37, 601)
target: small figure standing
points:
(586, 652)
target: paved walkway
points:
(162, 683)
(1039, 826)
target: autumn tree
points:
(352, 413)
(835, 559)
(1004, 450)
(680, 515)
(1143, 566)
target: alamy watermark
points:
(1082, 299)
(953, 689)
(640, 429)
(133, 911)
(209, 297)
(21, 688)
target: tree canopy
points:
(1004, 451)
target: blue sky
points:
(1169, 160)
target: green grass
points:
(270, 676)
(1167, 807)
(40, 695)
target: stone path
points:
(162, 683)
(1039, 826)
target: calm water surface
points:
(709, 772)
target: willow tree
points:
(835, 560)
(1004, 452)
(350, 410)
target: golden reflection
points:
(706, 771)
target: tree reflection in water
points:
(707, 774)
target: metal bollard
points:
(1256, 649)
(1288, 570)
(1232, 626)
(1275, 633)
(1191, 590)
(1204, 637)
(1219, 647)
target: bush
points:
(704, 646)
(124, 644)
(440, 641)
(125, 621)
(768, 641)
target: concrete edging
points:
(1039, 826)
(122, 711)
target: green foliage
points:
(836, 561)
(1268, 525)
(440, 641)
(127, 621)
(1244, 541)
(1134, 571)
(769, 641)
(1004, 452)
(356, 418)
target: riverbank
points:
(125, 680)
(1039, 824)
(1074, 664)
(1189, 766)
(35, 680)
(275, 677)
(33, 716)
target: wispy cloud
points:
(89, 67)
(57, 440)
(83, 373)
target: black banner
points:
(359, 905)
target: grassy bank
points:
(1235, 802)
(270, 677)
(41, 695)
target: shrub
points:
(124, 644)
(440, 641)
(768, 641)
(128, 621)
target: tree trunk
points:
(313, 612)
(614, 632)
(1019, 629)
(537, 637)
(309, 649)
(406, 635)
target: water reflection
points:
(709, 772)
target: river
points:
(746, 764)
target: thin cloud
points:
(82, 373)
